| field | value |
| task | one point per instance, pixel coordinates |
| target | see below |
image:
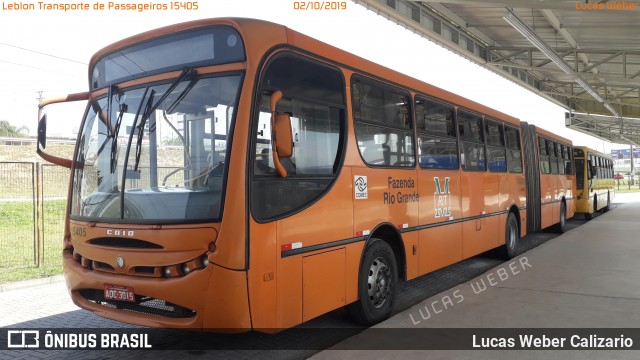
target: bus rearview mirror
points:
(284, 143)
(42, 131)
(275, 97)
(281, 144)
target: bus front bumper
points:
(188, 302)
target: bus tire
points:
(511, 238)
(377, 284)
(561, 226)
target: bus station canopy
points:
(583, 55)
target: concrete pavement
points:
(586, 278)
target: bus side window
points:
(437, 147)
(553, 158)
(545, 167)
(495, 146)
(567, 161)
(472, 149)
(514, 152)
(383, 124)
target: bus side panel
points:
(439, 246)
(289, 283)
(323, 279)
(391, 197)
(411, 245)
(329, 219)
(493, 235)
(571, 208)
(523, 222)
(354, 255)
(512, 192)
(548, 194)
(508, 192)
(227, 304)
(477, 229)
(520, 200)
(262, 278)
(569, 193)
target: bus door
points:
(301, 202)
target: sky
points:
(48, 51)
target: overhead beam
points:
(538, 4)
(566, 35)
(612, 56)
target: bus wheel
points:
(377, 284)
(510, 248)
(561, 226)
(606, 208)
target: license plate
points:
(121, 293)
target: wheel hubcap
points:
(512, 235)
(379, 282)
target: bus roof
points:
(304, 42)
(596, 152)
(553, 136)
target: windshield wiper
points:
(140, 128)
(182, 95)
(114, 144)
(149, 109)
(110, 92)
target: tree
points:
(6, 129)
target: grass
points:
(622, 186)
(625, 189)
(20, 274)
(18, 243)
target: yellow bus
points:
(595, 186)
(236, 174)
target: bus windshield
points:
(155, 153)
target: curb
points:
(18, 285)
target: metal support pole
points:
(632, 173)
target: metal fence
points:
(32, 210)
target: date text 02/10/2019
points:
(319, 5)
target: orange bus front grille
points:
(143, 304)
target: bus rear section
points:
(550, 179)
(594, 181)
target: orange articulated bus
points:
(236, 174)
